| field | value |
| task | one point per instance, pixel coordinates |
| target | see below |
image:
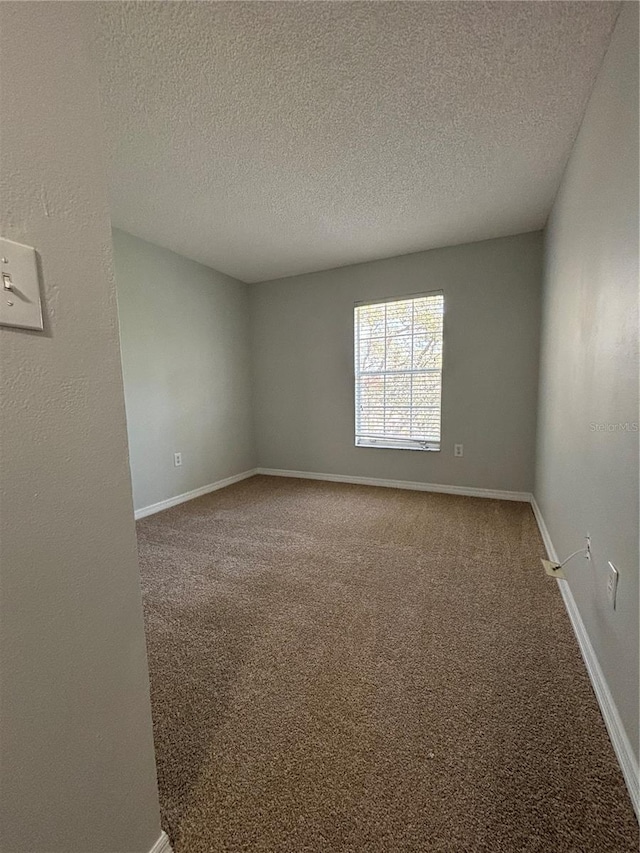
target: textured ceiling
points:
(268, 139)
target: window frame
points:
(404, 443)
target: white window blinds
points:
(398, 369)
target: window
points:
(398, 361)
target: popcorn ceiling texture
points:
(271, 139)
(347, 669)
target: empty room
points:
(319, 416)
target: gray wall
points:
(185, 356)
(303, 365)
(76, 752)
(587, 480)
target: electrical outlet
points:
(588, 540)
(612, 584)
(177, 459)
(458, 450)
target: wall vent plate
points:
(20, 304)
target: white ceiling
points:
(269, 139)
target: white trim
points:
(546, 538)
(162, 845)
(619, 740)
(195, 493)
(470, 491)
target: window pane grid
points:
(398, 357)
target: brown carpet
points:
(346, 668)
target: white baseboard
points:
(470, 491)
(162, 845)
(619, 740)
(195, 493)
(546, 538)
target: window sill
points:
(429, 446)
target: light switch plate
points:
(20, 303)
